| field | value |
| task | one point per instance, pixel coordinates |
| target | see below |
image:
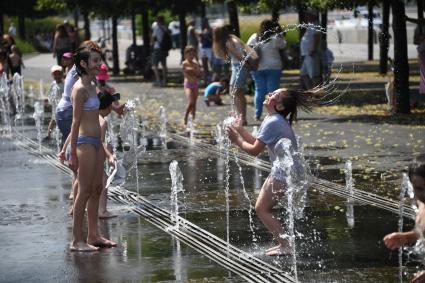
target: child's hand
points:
(233, 134)
(111, 161)
(394, 240)
(73, 162)
(419, 277)
(238, 123)
(61, 156)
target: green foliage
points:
(168, 17)
(25, 46)
(57, 5)
(247, 28)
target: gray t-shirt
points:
(274, 128)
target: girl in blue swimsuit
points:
(86, 152)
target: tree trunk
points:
(87, 34)
(21, 26)
(370, 31)
(401, 65)
(203, 12)
(324, 24)
(133, 27)
(275, 14)
(116, 67)
(1, 24)
(301, 19)
(183, 31)
(145, 31)
(384, 38)
(232, 9)
(76, 19)
(420, 5)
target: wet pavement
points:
(35, 228)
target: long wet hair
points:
(417, 167)
(291, 100)
(268, 28)
(83, 54)
(220, 37)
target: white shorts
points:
(205, 53)
(311, 66)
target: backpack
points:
(166, 43)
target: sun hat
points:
(56, 68)
(67, 55)
(103, 73)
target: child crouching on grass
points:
(214, 90)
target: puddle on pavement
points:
(328, 250)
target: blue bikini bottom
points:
(89, 140)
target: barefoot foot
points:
(106, 215)
(82, 247)
(101, 242)
(279, 251)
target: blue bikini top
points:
(92, 103)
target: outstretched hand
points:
(233, 134)
(394, 240)
(419, 277)
(61, 156)
(237, 123)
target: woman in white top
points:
(268, 42)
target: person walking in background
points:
(192, 73)
(269, 43)
(16, 63)
(174, 27)
(12, 29)
(227, 45)
(61, 43)
(206, 50)
(311, 53)
(159, 55)
(193, 37)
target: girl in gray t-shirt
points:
(281, 105)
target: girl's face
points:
(189, 55)
(273, 99)
(418, 184)
(94, 62)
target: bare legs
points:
(93, 237)
(206, 69)
(103, 212)
(87, 159)
(265, 203)
(164, 73)
(191, 97)
(89, 181)
(240, 102)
